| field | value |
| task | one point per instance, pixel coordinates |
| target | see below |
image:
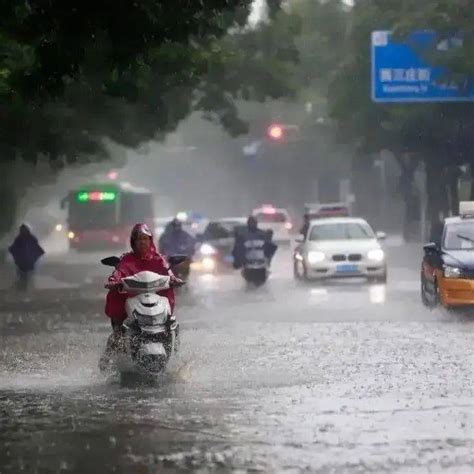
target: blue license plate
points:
(347, 269)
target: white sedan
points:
(275, 219)
(340, 248)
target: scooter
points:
(150, 331)
(258, 256)
(256, 272)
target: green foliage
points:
(402, 128)
(320, 41)
(73, 74)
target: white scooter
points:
(151, 332)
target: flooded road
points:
(343, 377)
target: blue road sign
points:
(400, 73)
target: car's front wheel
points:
(298, 269)
(428, 300)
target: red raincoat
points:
(130, 264)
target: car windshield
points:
(231, 225)
(459, 236)
(341, 231)
(271, 218)
(217, 230)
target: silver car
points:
(340, 248)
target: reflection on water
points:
(318, 295)
(332, 290)
(377, 294)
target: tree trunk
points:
(438, 203)
(453, 188)
(8, 198)
(409, 196)
(365, 187)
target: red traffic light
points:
(112, 175)
(275, 132)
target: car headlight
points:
(208, 264)
(377, 255)
(452, 272)
(316, 257)
(207, 250)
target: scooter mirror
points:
(110, 261)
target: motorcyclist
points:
(26, 251)
(252, 238)
(176, 241)
(143, 257)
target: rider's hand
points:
(111, 285)
(176, 282)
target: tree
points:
(73, 75)
(438, 134)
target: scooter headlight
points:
(208, 264)
(207, 249)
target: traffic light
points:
(276, 132)
(283, 133)
(112, 175)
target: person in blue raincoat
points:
(252, 233)
(26, 251)
(176, 241)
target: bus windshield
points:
(108, 209)
(92, 215)
(135, 208)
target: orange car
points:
(447, 274)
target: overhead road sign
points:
(401, 73)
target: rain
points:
(288, 187)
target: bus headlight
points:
(71, 235)
(59, 227)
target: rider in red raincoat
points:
(143, 257)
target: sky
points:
(259, 10)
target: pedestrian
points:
(26, 251)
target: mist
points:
(236, 236)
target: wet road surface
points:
(343, 377)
